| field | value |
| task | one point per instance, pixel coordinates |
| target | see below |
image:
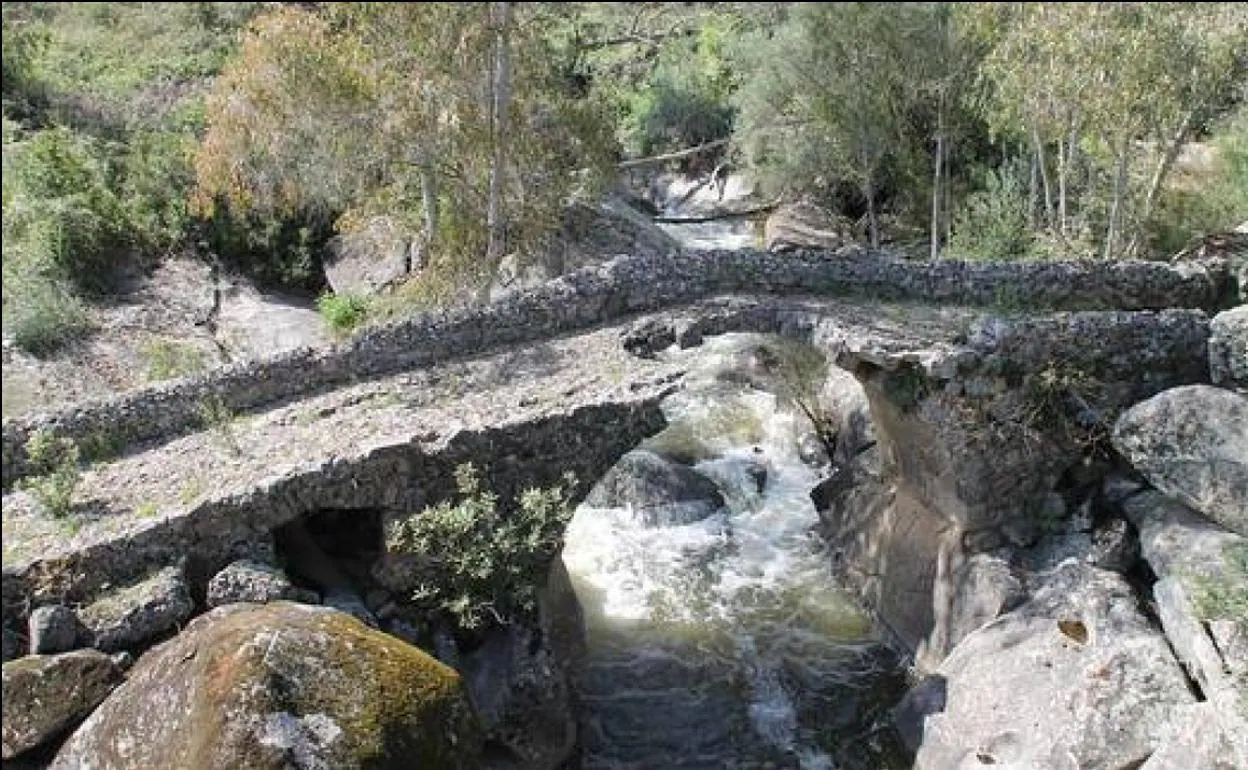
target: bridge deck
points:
(167, 486)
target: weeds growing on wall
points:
(57, 460)
(479, 564)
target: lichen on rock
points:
(280, 685)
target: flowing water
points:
(726, 643)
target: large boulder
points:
(805, 225)
(1195, 739)
(591, 232)
(656, 490)
(1201, 597)
(55, 628)
(1192, 444)
(1075, 678)
(1228, 349)
(1230, 245)
(141, 613)
(371, 258)
(519, 680)
(44, 695)
(522, 697)
(278, 686)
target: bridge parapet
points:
(602, 293)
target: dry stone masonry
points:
(974, 501)
(602, 293)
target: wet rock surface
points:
(658, 491)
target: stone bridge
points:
(204, 470)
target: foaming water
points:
(724, 642)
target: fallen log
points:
(763, 209)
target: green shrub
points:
(40, 314)
(686, 99)
(60, 214)
(992, 223)
(673, 116)
(56, 459)
(273, 251)
(155, 171)
(476, 564)
(343, 312)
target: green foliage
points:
(686, 102)
(343, 312)
(477, 563)
(61, 217)
(107, 68)
(42, 315)
(992, 223)
(56, 460)
(830, 100)
(1200, 203)
(272, 249)
(111, 96)
(350, 110)
(801, 370)
(167, 359)
(1148, 75)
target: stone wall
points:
(599, 293)
(395, 479)
(983, 446)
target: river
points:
(726, 642)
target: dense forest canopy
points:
(252, 132)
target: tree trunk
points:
(1160, 173)
(692, 220)
(500, 17)
(1069, 163)
(677, 155)
(1044, 177)
(940, 147)
(873, 227)
(1115, 205)
(1033, 193)
(947, 195)
(1062, 166)
(429, 210)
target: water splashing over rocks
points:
(723, 641)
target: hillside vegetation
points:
(247, 134)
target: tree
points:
(831, 94)
(1147, 75)
(367, 108)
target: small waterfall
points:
(725, 642)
